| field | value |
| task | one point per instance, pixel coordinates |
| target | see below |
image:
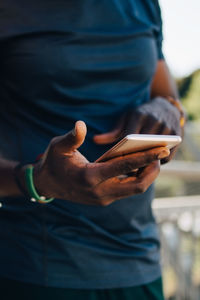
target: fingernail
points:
(163, 154)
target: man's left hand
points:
(157, 116)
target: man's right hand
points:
(65, 173)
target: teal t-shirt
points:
(62, 61)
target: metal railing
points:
(179, 224)
(182, 169)
(179, 221)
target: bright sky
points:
(181, 21)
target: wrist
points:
(40, 176)
(40, 181)
(34, 196)
(19, 177)
(30, 182)
(177, 104)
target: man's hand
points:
(157, 116)
(65, 173)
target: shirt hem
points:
(103, 281)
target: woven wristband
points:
(31, 188)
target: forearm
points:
(164, 86)
(8, 185)
(163, 83)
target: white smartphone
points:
(138, 142)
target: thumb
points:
(66, 144)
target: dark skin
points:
(92, 183)
(65, 173)
(155, 117)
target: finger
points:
(164, 130)
(125, 164)
(151, 126)
(71, 141)
(115, 188)
(112, 136)
(134, 123)
(161, 129)
(168, 158)
(129, 123)
(109, 137)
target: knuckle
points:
(163, 124)
(99, 199)
(150, 158)
(140, 188)
(103, 203)
(95, 195)
(53, 146)
(126, 167)
(140, 111)
(53, 142)
(155, 165)
(154, 119)
(174, 131)
(155, 168)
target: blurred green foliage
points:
(189, 90)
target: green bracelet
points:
(31, 188)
